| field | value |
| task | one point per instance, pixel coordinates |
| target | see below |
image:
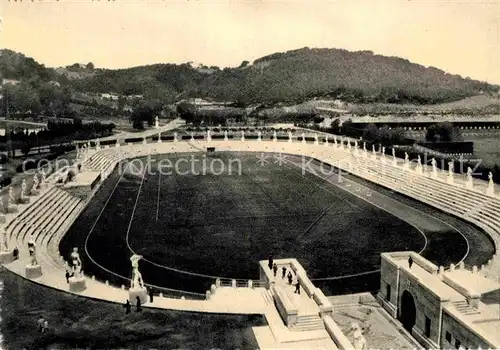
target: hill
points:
(287, 78)
(295, 76)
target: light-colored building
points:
(453, 308)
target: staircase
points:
(268, 297)
(464, 307)
(308, 323)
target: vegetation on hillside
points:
(277, 79)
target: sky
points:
(460, 37)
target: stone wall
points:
(460, 333)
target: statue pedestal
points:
(490, 191)
(6, 257)
(142, 293)
(449, 180)
(468, 184)
(33, 271)
(24, 200)
(11, 208)
(77, 284)
(35, 192)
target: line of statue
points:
(76, 263)
(136, 281)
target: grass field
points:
(83, 323)
(221, 225)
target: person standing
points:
(290, 277)
(270, 262)
(127, 307)
(151, 295)
(410, 262)
(283, 272)
(275, 269)
(67, 276)
(138, 304)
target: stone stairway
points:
(308, 323)
(464, 307)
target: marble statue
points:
(136, 281)
(383, 150)
(434, 164)
(76, 262)
(242, 135)
(364, 146)
(469, 173)
(355, 143)
(407, 157)
(316, 138)
(290, 136)
(451, 167)
(225, 135)
(490, 178)
(12, 200)
(373, 149)
(275, 135)
(419, 160)
(157, 123)
(334, 139)
(259, 135)
(23, 188)
(303, 138)
(209, 135)
(393, 153)
(32, 251)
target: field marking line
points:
(135, 204)
(158, 200)
(412, 208)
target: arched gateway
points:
(407, 311)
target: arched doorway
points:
(407, 312)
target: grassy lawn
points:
(223, 224)
(83, 323)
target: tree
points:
(371, 132)
(444, 131)
(244, 64)
(90, 66)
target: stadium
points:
(205, 212)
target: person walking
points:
(410, 262)
(297, 288)
(275, 269)
(151, 295)
(138, 304)
(15, 253)
(127, 307)
(270, 262)
(67, 276)
(290, 277)
(283, 272)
